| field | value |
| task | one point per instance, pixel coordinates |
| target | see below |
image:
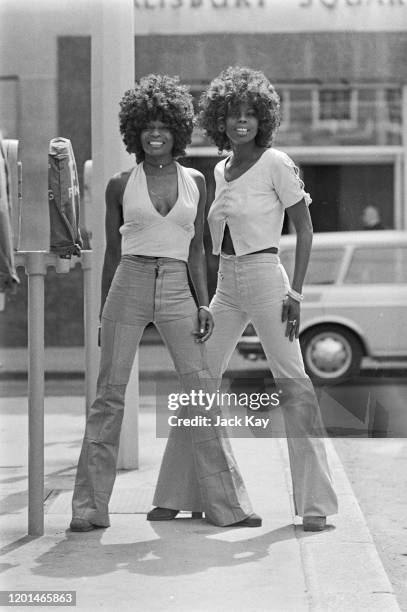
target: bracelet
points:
(298, 297)
(204, 308)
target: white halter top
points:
(145, 231)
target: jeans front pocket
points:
(284, 275)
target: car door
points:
(375, 297)
(320, 280)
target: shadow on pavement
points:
(172, 554)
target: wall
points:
(28, 49)
(323, 56)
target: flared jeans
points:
(252, 288)
(198, 471)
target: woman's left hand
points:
(206, 325)
(291, 313)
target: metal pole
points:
(112, 73)
(403, 220)
(36, 270)
(89, 308)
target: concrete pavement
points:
(182, 564)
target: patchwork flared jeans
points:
(252, 288)
(198, 471)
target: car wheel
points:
(331, 353)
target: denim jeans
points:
(252, 288)
(198, 470)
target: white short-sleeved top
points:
(145, 231)
(253, 204)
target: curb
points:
(344, 572)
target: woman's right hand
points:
(292, 314)
(206, 325)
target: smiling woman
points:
(255, 185)
(154, 230)
(156, 98)
(157, 142)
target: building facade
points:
(339, 66)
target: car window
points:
(378, 265)
(323, 266)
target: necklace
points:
(160, 166)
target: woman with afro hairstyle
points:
(154, 228)
(255, 185)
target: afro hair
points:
(226, 92)
(156, 97)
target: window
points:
(323, 267)
(335, 107)
(285, 108)
(377, 265)
(393, 105)
(198, 136)
(334, 104)
(196, 92)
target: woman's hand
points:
(291, 313)
(206, 325)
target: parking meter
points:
(8, 275)
(63, 199)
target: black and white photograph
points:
(203, 305)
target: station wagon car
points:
(355, 302)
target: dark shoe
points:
(254, 520)
(78, 524)
(161, 514)
(314, 523)
(166, 514)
